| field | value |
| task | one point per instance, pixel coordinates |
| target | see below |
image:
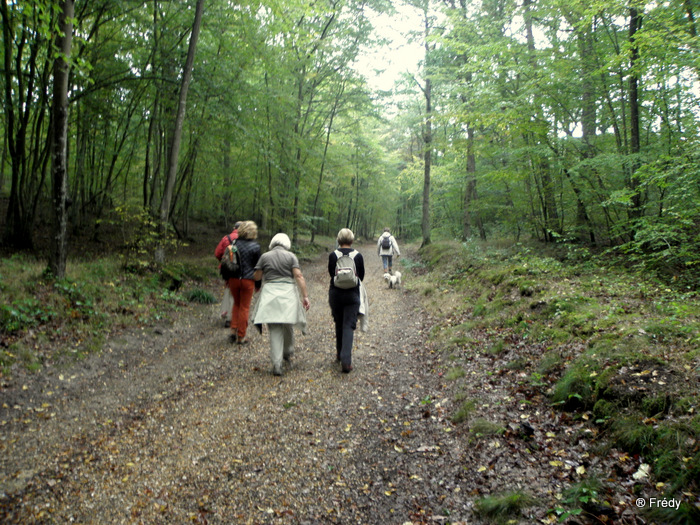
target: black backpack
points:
(231, 261)
(386, 242)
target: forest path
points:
(175, 424)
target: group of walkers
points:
(284, 298)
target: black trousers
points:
(345, 306)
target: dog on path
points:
(394, 281)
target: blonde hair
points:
(248, 230)
(345, 236)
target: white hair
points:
(281, 239)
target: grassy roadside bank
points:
(44, 321)
(616, 351)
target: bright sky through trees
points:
(383, 66)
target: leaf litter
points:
(175, 425)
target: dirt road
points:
(175, 425)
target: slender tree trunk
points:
(59, 138)
(3, 160)
(17, 113)
(323, 161)
(540, 165)
(147, 171)
(688, 5)
(588, 127)
(177, 135)
(470, 187)
(427, 136)
(634, 26)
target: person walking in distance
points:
(387, 247)
(347, 269)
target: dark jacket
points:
(359, 265)
(249, 253)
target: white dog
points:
(394, 281)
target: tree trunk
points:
(177, 136)
(427, 137)
(540, 165)
(635, 25)
(687, 4)
(470, 187)
(588, 127)
(59, 139)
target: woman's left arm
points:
(301, 282)
(360, 266)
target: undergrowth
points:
(622, 347)
(42, 318)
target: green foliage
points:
(502, 507)
(578, 495)
(606, 331)
(141, 238)
(667, 242)
(464, 412)
(197, 295)
(575, 389)
(22, 314)
(687, 513)
(669, 448)
(46, 319)
(483, 427)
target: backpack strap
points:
(339, 254)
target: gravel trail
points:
(175, 425)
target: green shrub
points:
(577, 496)
(464, 411)
(484, 427)
(500, 508)
(656, 405)
(604, 409)
(549, 362)
(197, 295)
(575, 389)
(22, 314)
(632, 435)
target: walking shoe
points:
(347, 369)
(232, 338)
(243, 341)
(277, 370)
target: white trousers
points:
(281, 342)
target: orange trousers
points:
(242, 291)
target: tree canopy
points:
(563, 121)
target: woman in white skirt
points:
(283, 299)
